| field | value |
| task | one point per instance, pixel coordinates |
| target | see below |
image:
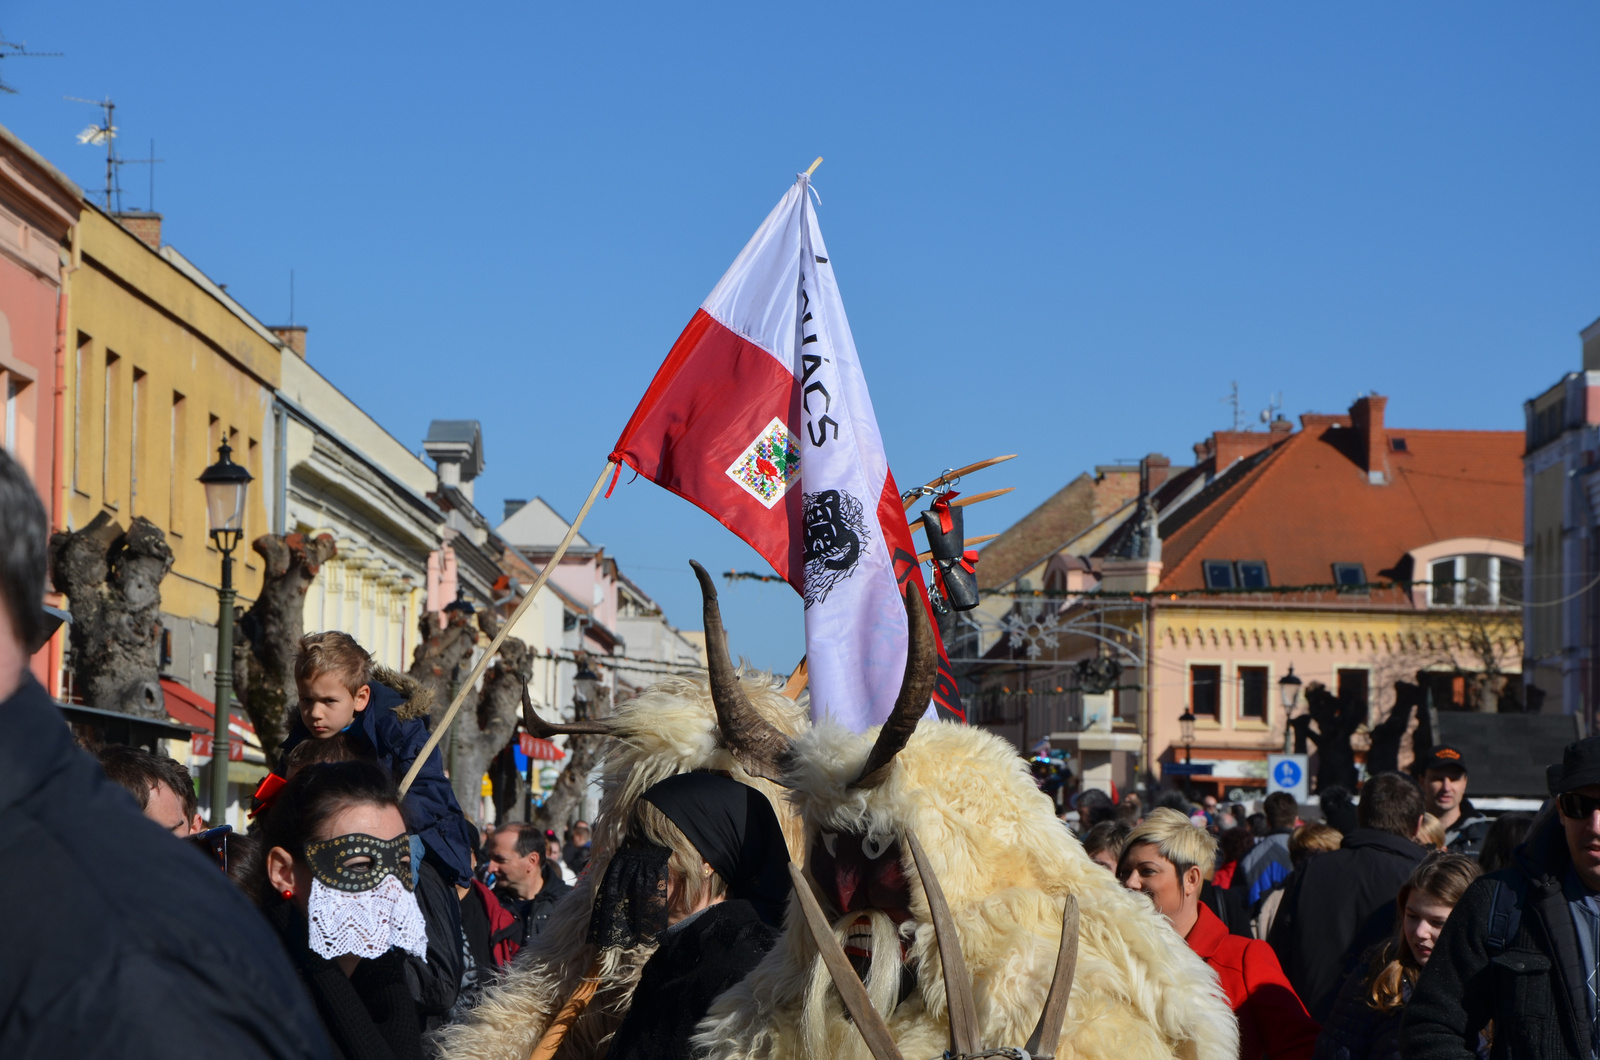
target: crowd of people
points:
(346, 922)
(1340, 939)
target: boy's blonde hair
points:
(651, 825)
(332, 652)
(1177, 840)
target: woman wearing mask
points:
(711, 849)
(1165, 858)
(1365, 1021)
(336, 883)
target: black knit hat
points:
(1580, 767)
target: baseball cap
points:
(1580, 767)
(1443, 756)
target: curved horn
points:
(916, 689)
(756, 744)
(959, 1004)
(1048, 1031)
(537, 726)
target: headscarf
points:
(734, 829)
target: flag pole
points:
(505, 630)
(814, 166)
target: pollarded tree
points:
(269, 633)
(112, 580)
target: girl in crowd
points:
(1165, 858)
(1103, 844)
(711, 852)
(336, 883)
(1365, 1022)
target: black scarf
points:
(369, 1015)
(735, 830)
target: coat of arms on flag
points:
(770, 465)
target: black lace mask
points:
(356, 862)
(631, 905)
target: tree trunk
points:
(443, 657)
(510, 787)
(482, 732)
(269, 633)
(112, 581)
(565, 801)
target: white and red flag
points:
(760, 415)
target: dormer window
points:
(1398, 445)
(1236, 574)
(1475, 580)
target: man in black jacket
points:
(526, 884)
(1337, 905)
(145, 951)
(1520, 947)
(1444, 794)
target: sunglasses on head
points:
(1578, 807)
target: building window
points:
(1219, 574)
(1253, 693)
(13, 410)
(1475, 580)
(79, 381)
(178, 461)
(1253, 574)
(1349, 575)
(1205, 691)
(108, 412)
(136, 444)
(1398, 445)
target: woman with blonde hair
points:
(1430, 833)
(1166, 858)
(1365, 1022)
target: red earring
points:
(287, 894)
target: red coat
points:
(1272, 1021)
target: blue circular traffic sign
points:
(1287, 774)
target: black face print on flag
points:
(836, 536)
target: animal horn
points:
(755, 743)
(916, 688)
(537, 726)
(1055, 1003)
(854, 995)
(963, 1010)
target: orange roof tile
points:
(1309, 504)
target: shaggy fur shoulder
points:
(416, 697)
(1006, 864)
(670, 728)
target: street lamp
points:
(1186, 726)
(226, 486)
(1289, 693)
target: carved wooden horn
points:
(916, 688)
(1048, 1032)
(537, 726)
(759, 748)
(961, 1008)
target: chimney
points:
(292, 336)
(512, 508)
(1156, 470)
(143, 224)
(1372, 444)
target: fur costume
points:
(1006, 865)
(670, 728)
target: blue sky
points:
(1060, 230)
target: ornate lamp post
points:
(1289, 693)
(227, 485)
(1186, 725)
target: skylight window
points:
(1253, 574)
(1349, 575)
(1398, 445)
(1219, 574)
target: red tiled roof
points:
(1309, 504)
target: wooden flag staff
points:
(505, 630)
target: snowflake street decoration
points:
(1034, 632)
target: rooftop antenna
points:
(1233, 399)
(104, 133)
(1274, 407)
(8, 49)
(152, 162)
